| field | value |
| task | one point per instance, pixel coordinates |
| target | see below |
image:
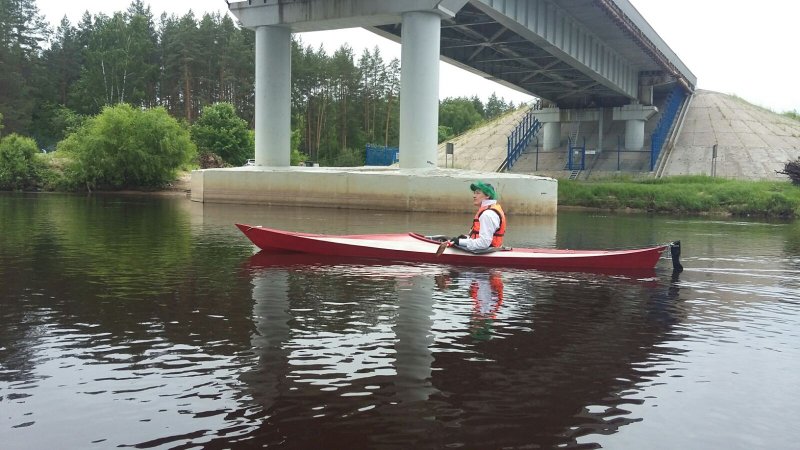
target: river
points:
(152, 322)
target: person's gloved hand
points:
(455, 239)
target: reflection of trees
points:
(124, 268)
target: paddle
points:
(447, 243)
(442, 247)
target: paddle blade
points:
(442, 247)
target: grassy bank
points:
(687, 194)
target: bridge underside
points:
(557, 51)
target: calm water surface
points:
(153, 323)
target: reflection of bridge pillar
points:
(635, 116)
(419, 89)
(414, 338)
(271, 317)
(551, 134)
(273, 95)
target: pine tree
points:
(179, 44)
(22, 33)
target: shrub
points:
(445, 133)
(126, 147)
(792, 169)
(219, 130)
(350, 157)
(295, 156)
(210, 160)
(19, 166)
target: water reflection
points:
(485, 288)
(163, 330)
(466, 357)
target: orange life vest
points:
(497, 238)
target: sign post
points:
(714, 161)
(449, 151)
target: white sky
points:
(734, 47)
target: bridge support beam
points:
(551, 133)
(273, 95)
(635, 116)
(419, 89)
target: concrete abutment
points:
(378, 188)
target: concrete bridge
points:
(573, 54)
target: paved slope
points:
(483, 148)
(752, 142)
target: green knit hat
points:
(486, 188)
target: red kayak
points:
(417, 248)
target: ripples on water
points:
(141, 328)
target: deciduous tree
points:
(219, 130)
(19, 168)
(126, 147)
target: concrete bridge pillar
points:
(551, 136)
(635, 116)
(419, 89)
(551, 133)
(634, 134)
(273, 95)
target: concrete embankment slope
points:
(483, 148)
(752, 142)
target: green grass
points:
(685, 194)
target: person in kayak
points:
(489, 224)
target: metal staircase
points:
(519, 139)
(572, 146)
(673, 111)
(576, 128)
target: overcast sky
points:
(744, 48)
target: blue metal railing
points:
(671, 107)
(520, 137)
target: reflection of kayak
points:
(288, 259)
(417, 248)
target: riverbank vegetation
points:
(123, 147)
(685, 194)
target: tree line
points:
(52, 81)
